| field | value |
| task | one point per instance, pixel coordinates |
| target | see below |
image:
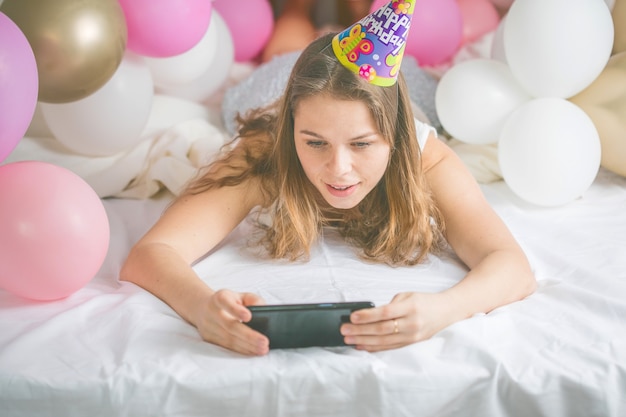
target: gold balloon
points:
(619, 25)
(604, 101)
(78, 44)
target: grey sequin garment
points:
(267, 82)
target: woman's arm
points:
(499, 272)
(161, 262)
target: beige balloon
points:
(604, 101)
(78, 44)
(619, 23)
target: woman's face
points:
(340, 148)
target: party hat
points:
(373, 47)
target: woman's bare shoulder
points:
(434, 152)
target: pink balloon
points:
(19, 85)
(436, 30)
(250, 22)
(164, 28)
(479, 18)
(55, 231)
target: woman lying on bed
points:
(336, 151)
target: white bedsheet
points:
(112, 349)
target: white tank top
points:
(423, 131)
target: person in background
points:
(299, 22)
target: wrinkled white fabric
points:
(178, 138)
(113, 349)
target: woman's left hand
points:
(410, 317)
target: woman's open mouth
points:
(341, 190)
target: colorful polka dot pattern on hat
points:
(373, 47)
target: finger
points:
(377, 314)
(376, 342)
(251, 299)
(249, 341)
(398, 307)
(232, 303)
(246, 347)
(372, 329)
(379, 348)
(228, 328)
(237, 336)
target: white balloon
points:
(208, 83)
(474, 99)
(556, 48)
(189, 65)
(109, 120)
(549, 151)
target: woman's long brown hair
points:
(397, 222)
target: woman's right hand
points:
(221, 320)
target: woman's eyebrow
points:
(317, 135)
(364, 135)
(311, 133)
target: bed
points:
(113, 349)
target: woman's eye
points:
(315, 143)
(361, 145)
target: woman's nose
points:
(340, 161)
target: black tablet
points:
(303, 325)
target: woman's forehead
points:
(330, 118)
(325, 106)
